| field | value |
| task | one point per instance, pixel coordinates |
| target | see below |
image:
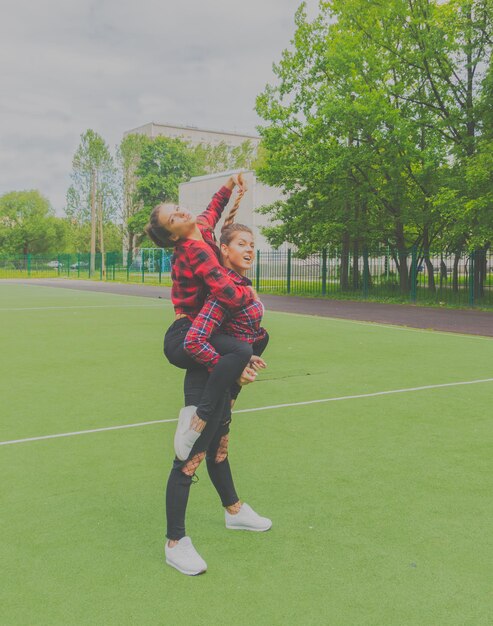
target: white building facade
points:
(197, 193)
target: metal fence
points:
(385, 276)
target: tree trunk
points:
(344, 273)
(101, 235)
(431, 272)
(455, 273)
(355, 265)
(366, 268)
(130, 245)
(479, 273)
(402, 253)
(93, 223)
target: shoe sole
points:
(187, 573)
(182, 426)
(258, 530)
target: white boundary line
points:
(262, 408)
(85, 306)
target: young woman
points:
(196, 271)
(237, 250)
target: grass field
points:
(381, 505)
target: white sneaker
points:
(185, 437)
(247, 519)
(185, 558)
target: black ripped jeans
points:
(178, 486)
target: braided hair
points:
(234, 210)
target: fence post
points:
(324, 271)
(414, 269)
(288, 276)
(472, 260)
(365, 272)
(29, 265)
(142, 265)
(78, 264)
(100, 266)
(58, 263)
(257, 272)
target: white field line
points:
(85, 306)
(262, 408)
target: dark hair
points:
(155, 231)
(229, 232)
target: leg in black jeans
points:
(180, 478)
(235, 357)
(195, 385)
(258, 349)
(218, 466)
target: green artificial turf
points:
(381, 506)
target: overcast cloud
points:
(110, 65)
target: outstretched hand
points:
(257, 363)
(247, 376)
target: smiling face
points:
(177, 221)
(238, 254)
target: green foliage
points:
(93, 168)
(164, 164)
(376, 128)
(213, 159)
(78, 237)
(28, 224)
(128, 158)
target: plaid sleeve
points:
(204, 325)
(206, 266)
(211, 216)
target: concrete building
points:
(193, 135)
(197, 193)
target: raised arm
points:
(211, 216)
(205, 265)
(204, 325)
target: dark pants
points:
(178, 487)
(235, 355)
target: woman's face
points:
(240, 252)
(179, 222)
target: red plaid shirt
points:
(195, 267)
(243, 323)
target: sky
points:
(113, 65)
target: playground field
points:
(369, 446)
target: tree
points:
(164, 164)
(375, 111)
(28, 224)
(128, 156)
(93, 195)
(222, 157)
